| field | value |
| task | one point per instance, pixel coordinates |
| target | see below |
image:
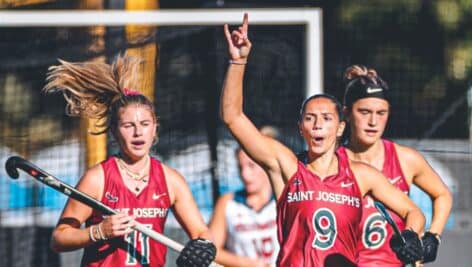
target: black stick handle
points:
(15, 162)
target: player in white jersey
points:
(251, 233)
(244, 222)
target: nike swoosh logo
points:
(156, 197)
(395, 180)
(373, 90)
(343, 184)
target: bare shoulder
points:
(92, 182)
(286, 151)
(91, 175)
(284, 154)
(172, 174)
(95, 169)
(407, 153)
(286, 162)
(224, 199)
(175, 183)
(361, 168)
(366, 175)
(227, 196)
(413, 164)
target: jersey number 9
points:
(324, 224)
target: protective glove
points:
(197, 252)
(430, 246)
(409, 251)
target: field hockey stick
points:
(384, 212)
(15, 162)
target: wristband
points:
(100, 233)
(91, 234)
(236, 62)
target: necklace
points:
(136, 176)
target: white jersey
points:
(252, 233)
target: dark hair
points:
(339, 108)
(98, 90)
(362, 82)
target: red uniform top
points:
(318, 219)
(374, 246)
(150, 208)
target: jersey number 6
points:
(374, 232)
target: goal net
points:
(190, 67)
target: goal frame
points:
(311, 18)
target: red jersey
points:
(374, 244)
(318, 219)
(150, 207)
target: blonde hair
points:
(358, 71)
(97, 90)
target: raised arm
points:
(279, 162)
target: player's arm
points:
(423, 176)
(406, 245)
(218, 225)
(373, 182)
(200, 250)
(68, 235)
(275, 158)
(184, 206)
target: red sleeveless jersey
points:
(318, 219)
(374, 244)
(150, 208)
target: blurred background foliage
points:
(422, 49)
(419, 47)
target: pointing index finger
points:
(245, 22)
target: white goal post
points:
(310, 17)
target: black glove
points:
(430, 246)
(410, 251)
(197, 252)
